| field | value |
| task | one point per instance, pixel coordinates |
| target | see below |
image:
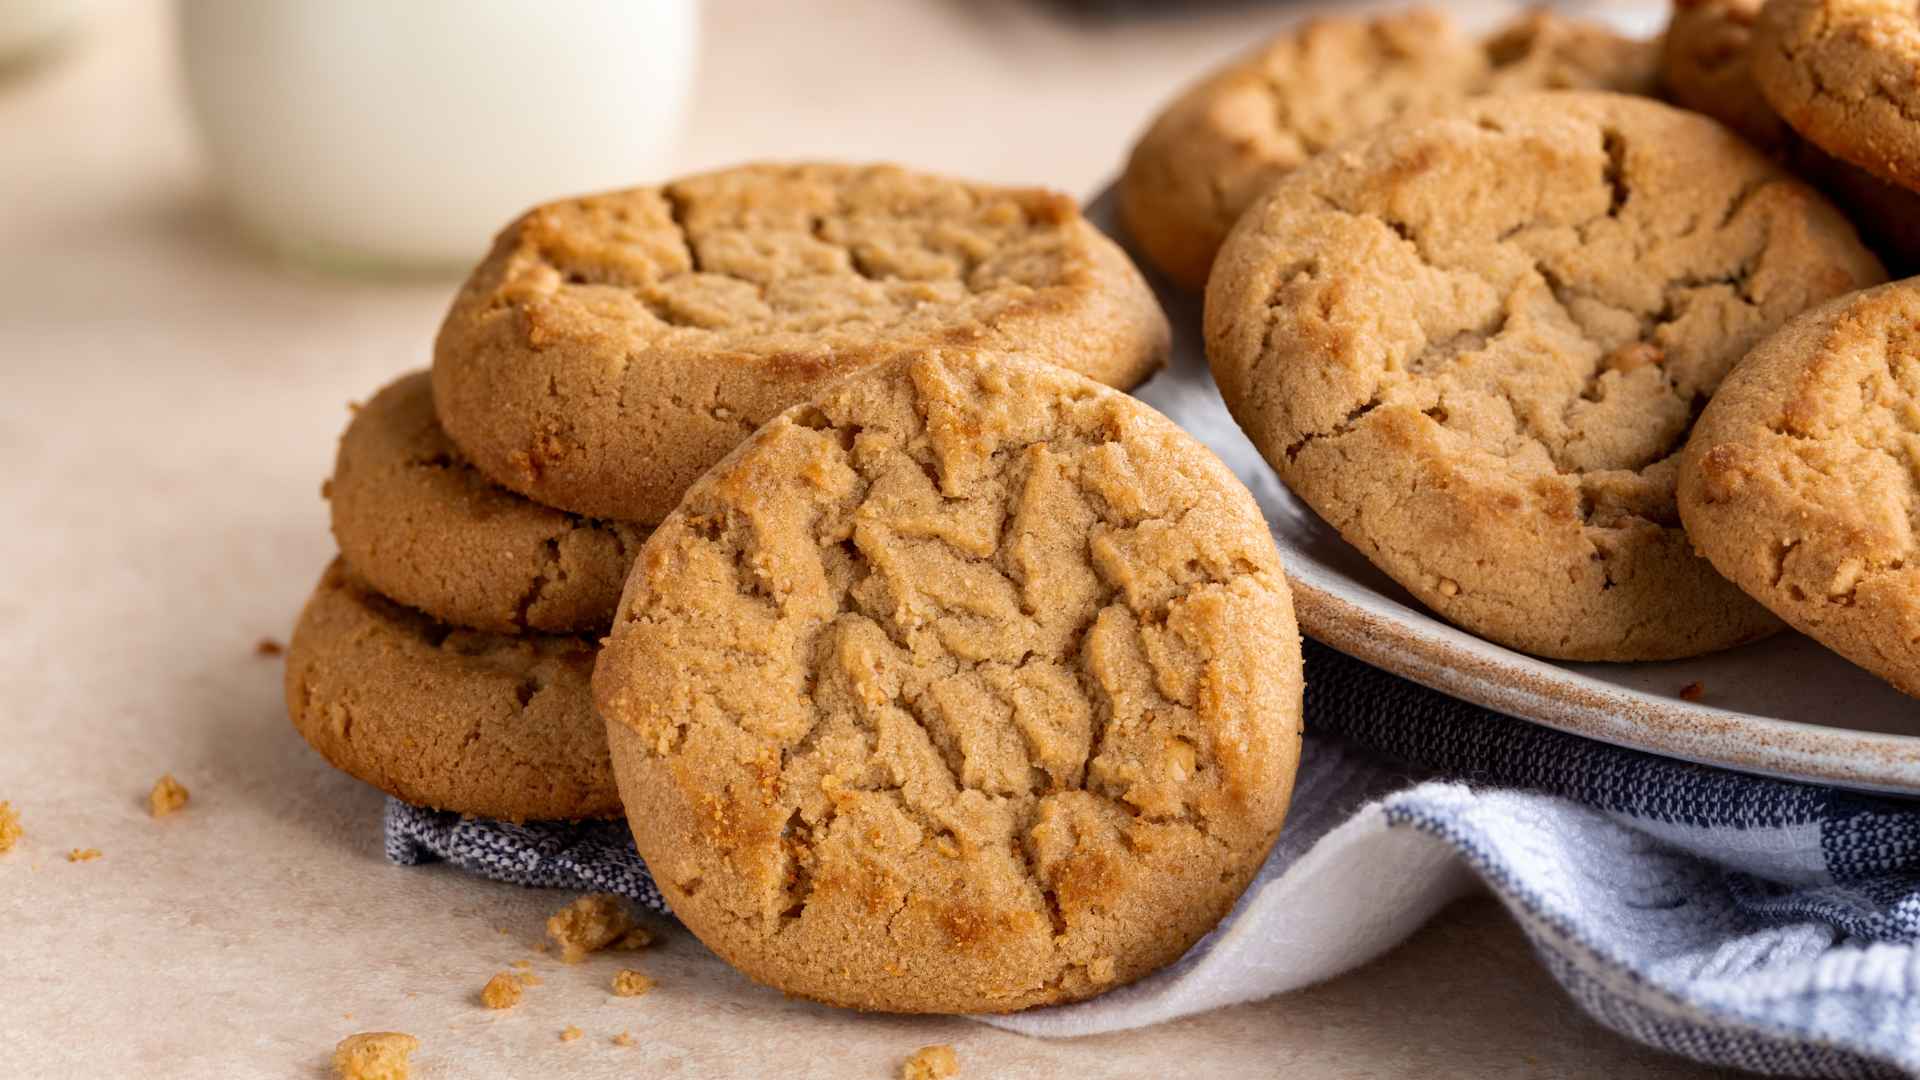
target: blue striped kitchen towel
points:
(1739, 921)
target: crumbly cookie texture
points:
(374, 1055)
(10, 828)
(570, 1033)
(630, 983)
(495, 725)
(1799, 482)
(1846, 74)
(935, 1062)
(1475, 343)
(167, 796)
(1705, 65)
(84, 854)
(503, 991)
(591, 923)
(426, 528)
(613, 347)
(952, 683)
(1226, 139)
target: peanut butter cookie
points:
(611, 348)
(971, 685)
(1846, 74)
(1226, 139)
(1474, 343)
(1705, 66)
(493, 725)
(424, 527)
(1799, 482)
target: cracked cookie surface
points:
(613, 347)
(1706, 66)
(1802, 479)
(970, 686)
(1846, 75)
(497, 725)
(1474, 344)
(423, 526)
(1225, 140)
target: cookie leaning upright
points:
(970, 685)
(423, 526)
(1846, 74)
(1474, 344)
(1214, 149)
(612, 347)
(1799, 480)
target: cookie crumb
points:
(10, 830)
(266, 646)
(84, 854)
(630, 983)
(1693, 691)
(374, 1055)
(503, 991)
(588, 925)
(522, 964)
(167, 796)
(936, 1062)
(569, 1033)
(528, 978)
(623, 1039)
(637, 938)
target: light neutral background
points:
(170, 406)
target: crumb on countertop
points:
(588, 925)
(630, 983)
(167, 796)
(527, 978)
(1693, 691)
(569, 1033)
(936, 1062)
(522, 964)
(637, 938)
(10, 830)
(374, 1055)
(267, 646)
(625, 1038)
(503, 991)
(84, 854)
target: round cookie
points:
(1226, 139)
(424, 527)
(1799, 482)
(486, 724)
(1474, 344)
(613, 347)
(1846, 74)
(972, 685)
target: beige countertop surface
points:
(170, 406)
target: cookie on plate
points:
(488, 724)
(1705, 66)
(1846, 74)
(1799, 481)
(424, 527)
(1223, 141)
(613, 347)
(1474, 344)
(971, 685)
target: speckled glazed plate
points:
(1783, 707)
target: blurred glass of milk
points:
(402, 134)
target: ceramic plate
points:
(1783, 707)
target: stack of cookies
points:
(965, 682)
(1485, 332)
